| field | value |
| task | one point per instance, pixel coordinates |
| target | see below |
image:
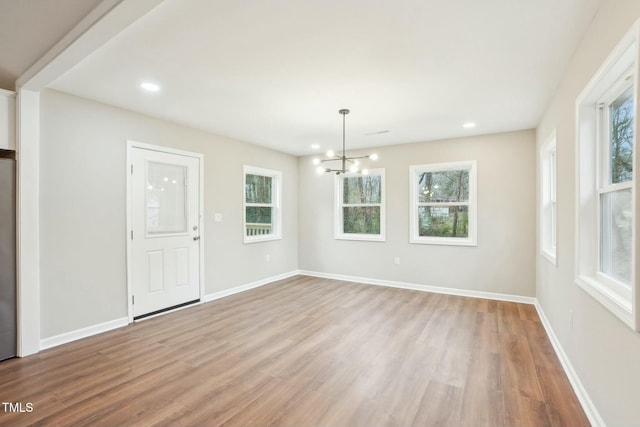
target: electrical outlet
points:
(268, 257)
(396, 260)
(217, 217)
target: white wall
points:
(604, 352)
(83, 209)
(503, 261)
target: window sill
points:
(615, 303)
(261, 239)
(446, 241)
(361, 237)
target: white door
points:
(165, 230)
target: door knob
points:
(196, 238)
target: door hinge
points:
(132, 169)
(133, 299)
(131, 234)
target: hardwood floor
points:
(305, 352)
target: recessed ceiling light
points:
(469, 125)
(315, 146)
(150, 87)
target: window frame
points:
(618, 72)
(339, 204)
(548, 198)
(414, 172)
(275, 205)
(603, 173)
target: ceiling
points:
(276, 72)
(29, 28)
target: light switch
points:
(217, 217)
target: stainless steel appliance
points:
(7, 258)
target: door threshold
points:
(165, 310)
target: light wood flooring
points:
(305, 352)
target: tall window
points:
(262, 213)
(548, 211)
(615, 116)
(359, 207)
(606, 214)
(443, 203)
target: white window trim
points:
(472, 239)
(338, 212)
(617, 298)
(276, 204)
(548, 195)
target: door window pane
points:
(166, 198)
(615, 241)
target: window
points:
(605, 214)
(262, 213)
(548, 210)
(443, 204)
(359, 206)
(616, 174)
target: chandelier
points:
(349, 164)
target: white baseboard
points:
(67, 337)
(424, 288)
(587, 404)
(227, 292)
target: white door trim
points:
(130, 146)
(28, 222)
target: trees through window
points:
(616, 211)
(443, 209)
(261, 204)
(359, 213)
